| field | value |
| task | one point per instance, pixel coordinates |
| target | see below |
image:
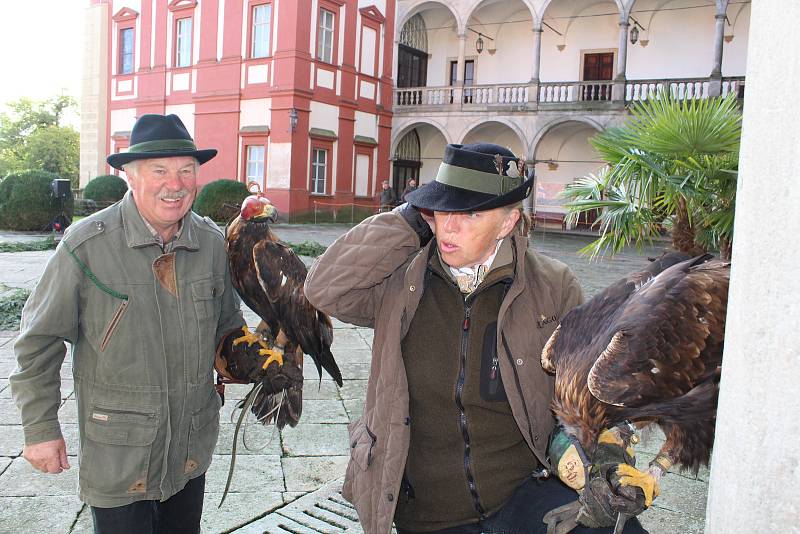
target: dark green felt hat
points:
(475, 177)
(160, 136)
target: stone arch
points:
(511, 125)
(543, 9)
(418, 6)
(544, 130)
(399, 132)
(471, 8)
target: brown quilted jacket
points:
(373, 276)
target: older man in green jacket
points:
(141, 291)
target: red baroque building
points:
(295, 94)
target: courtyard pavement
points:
(290, 482)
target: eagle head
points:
(258, 208)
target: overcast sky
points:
(41, 48)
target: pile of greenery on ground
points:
(308, 248)
(11, 304)
(27, 202)
(220, 199)
(30, 246)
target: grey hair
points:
(132, 167)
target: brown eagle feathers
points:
(646, 349)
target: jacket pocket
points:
(203, 435)
(207, 301)
(115, 456)
(362, 443)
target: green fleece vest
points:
(466, 455)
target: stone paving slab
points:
(310, 439)
(254, 473)
(22, 480)
(262, 439)
(50, 514)
(308, 473)
(11, 440)
(237, 510)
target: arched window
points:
(407, 162)
(412, 53)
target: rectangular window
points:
(126, 51)
(262, 16)
(319, 166)
(183, 42)
(325, 36)
(255, 164)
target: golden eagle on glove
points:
(269, 277)
(647, 349)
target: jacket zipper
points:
(112, 324)
(462, 415)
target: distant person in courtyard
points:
(141, 291)
(410, 187)
(454, 434)
(388, 198)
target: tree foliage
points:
(32, 137)
(105, 188)
(671, 168)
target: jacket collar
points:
(138, 235)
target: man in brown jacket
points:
(456, 424)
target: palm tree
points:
(671, 168)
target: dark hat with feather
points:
(475, 177)
(159, 136)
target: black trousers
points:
(180, 514)
(523, 513)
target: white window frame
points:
(183, 42)
(319, 165)
(255, 163)
(325, 34)
(122, 50)
(260, 44)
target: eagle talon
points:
(630, 476)
(248, 337)
(275, 355)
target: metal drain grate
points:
(323, 511)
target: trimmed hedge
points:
(27, 201)
(105, 188)
(220, 199)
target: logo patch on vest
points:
(545, 320)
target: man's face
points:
(468, 238)
(412, 183)
(164, 189)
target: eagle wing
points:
(667, 338)
(281, 274)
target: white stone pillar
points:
(459, 88)
(618, 91)
(719, 34)
(755, 469)
(537, 54)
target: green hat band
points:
(163, 145)
(478, 181)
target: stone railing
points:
(551, 94)
(682, 89)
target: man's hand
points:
(48, 456)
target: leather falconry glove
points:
(414, 219)
(603, 499)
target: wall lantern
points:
(479, 43)
(293, 119)
(634, 34)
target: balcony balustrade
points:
(555, 94)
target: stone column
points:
(715, 79)
(533, 89)
(754, 470)
(458, 90)
(618, 91)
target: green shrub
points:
(220, 199)
(106, 188)
(27, 201)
